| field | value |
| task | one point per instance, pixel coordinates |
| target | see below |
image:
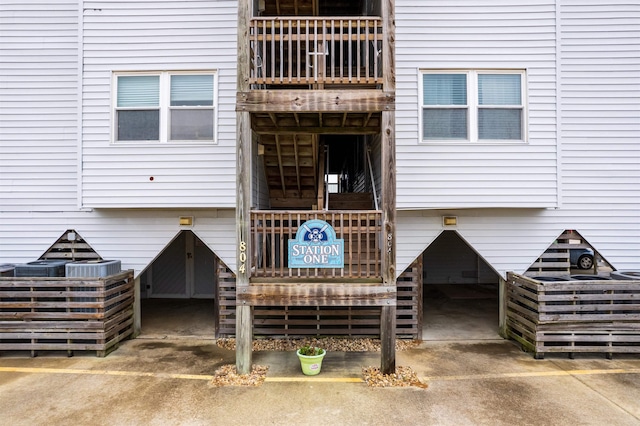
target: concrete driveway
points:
(167, 382)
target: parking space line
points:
(105, 373)
(314, 379)
(208, 377)
(532, 374)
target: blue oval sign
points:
(316, 246)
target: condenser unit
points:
(41, 268)
(92, 268)
(6, 270)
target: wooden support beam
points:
(271, 101)
(297, 157)
(274, 119)
(320, 181)
(366, 122)
(388, 339)
(318, 131)
(137, 309)
(503, 329)
(388, 166)
(244, 325)
(279, 151)
(317, 294)
(315, 153)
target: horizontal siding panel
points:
(599, 139)
(38, 107)
(477, 35)
(135, 237)
(158, 36)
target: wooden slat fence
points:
(315, 50)
(66, 314)
(346, 321)
(600, 316)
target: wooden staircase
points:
(351, 201)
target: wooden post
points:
(388, 166)
(244, 326)
(320, 178)
(502, 309)
(137, 314)
(388, 340)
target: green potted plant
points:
(311, 359)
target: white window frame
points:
(473, 107)
(164, 107)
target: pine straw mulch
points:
(403, 377)
(227, 375)
(330, 344)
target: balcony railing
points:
(311, 50)
(361, 231)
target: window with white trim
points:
(472, 106)
(164, 107)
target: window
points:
(165, 107)
(472, 106)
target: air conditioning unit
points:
(6, 270)
(92, 268)
(41, 268)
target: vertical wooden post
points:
(502, 308)
(388, 166)
(420, 296)
(137, 314)
(244, 326)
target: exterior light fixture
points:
(186, 220)
(449, 220)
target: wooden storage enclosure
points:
(573, 316)
(66, 314)
(348, 321)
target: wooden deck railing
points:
(361, 231)
(312, 50)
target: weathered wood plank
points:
(315, 100)
(320, 294)
(578, 316)
(51, 318)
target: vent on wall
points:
(71, 246)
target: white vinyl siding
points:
(600, 114)
(38, 106)
(584, 50)
(174, 37)
(136, 237)
(479, 36)
(598, 118)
